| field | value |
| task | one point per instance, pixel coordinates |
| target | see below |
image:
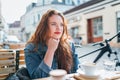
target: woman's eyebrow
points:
(52, 22)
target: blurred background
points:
(89, 21)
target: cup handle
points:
(80, 67)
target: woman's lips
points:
(57, 32)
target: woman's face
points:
(55, 24)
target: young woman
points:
(49, 47)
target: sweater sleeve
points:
(35, 64)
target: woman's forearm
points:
(49, 57)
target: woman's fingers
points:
(56, 40)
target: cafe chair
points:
(21, 74)
(8, 63)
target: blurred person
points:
(6, 46)
(70, 39)
(49, 47)
(78, 42)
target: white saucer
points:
(88, 76)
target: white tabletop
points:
(104, 75)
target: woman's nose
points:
(58, 26)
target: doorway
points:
(94, 30)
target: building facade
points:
(95, 20)
(3, 26)
(15, 29)
(34, 13)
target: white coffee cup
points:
(88, 68)
(58, 74)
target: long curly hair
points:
(41, 35)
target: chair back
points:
(21, 58)
(8, 63)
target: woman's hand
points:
(53, 44)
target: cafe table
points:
(48, 78)
(103, 76)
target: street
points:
(85, 49)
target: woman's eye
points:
(53, 24)
(61, 25)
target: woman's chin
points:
(57, 37)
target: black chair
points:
(23, 74)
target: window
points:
(118, 25)
(33, 20)
(97, 27)
(60, 1)
(74, 32)
(69, 2)
(38, 17)
(0, 21)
